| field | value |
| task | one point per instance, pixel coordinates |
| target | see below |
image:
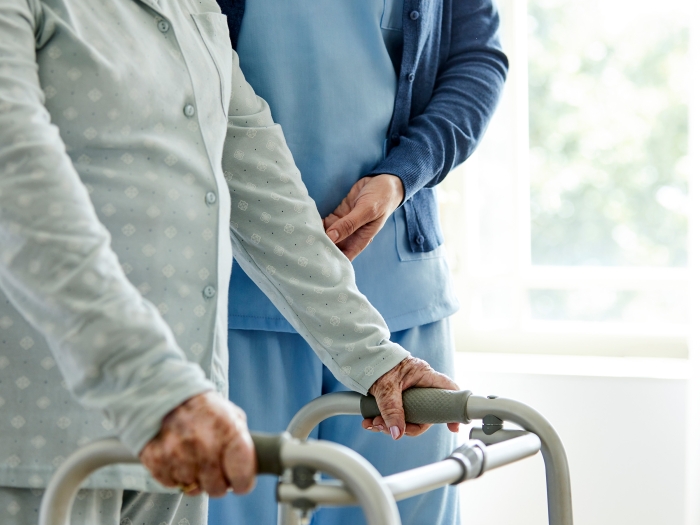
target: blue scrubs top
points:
(328, 71)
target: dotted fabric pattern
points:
(279, 241)
(115, 234)
(107, 507)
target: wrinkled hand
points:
(205, 444)
(387, 389)
(363, 212)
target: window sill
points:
(575, 339)
(563, 365)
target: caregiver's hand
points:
(363, 212)
(203, 446)
(387, 389)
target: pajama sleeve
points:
(279, 240)
(114, 350)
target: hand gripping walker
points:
(297, 461)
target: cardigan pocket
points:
(402, 245)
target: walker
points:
(299, 461)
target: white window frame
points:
(692, 502)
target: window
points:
(568, 230)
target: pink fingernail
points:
(334, 235)
(395, 432)
(380, 427)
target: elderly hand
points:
(203, 445)
(388, 388)
(363, 212)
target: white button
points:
(209, 292)
(211, 198)
(163, 26)
(188, 110)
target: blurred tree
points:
(608, 132)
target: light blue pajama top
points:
(134, 165)
(328, 71)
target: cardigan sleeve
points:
(466, 92)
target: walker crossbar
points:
(422, 479)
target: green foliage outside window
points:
(608, 118)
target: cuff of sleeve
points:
(142, 416)
(411, 166)
(376, 368)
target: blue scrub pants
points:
(274, 374)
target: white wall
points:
(625, 439)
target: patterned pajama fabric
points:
(135, 161)
(108, 507)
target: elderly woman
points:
(135, 160)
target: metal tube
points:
(510, 451)
(358, 475)
(423, 479)
(304, 421)
(57, 501)
(329, 493)
(286, 515)
(553, 453)
(402, 486)
(418, 480)
(320, 409)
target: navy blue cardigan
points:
(452, 74)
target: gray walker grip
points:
(268, 449)
(426, 405)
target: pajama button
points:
(211, 198)
(188, 110)
(414, 15)
(163, 26)
(209, 292)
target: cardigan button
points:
(411, 77)
(420, 239)
(414, 15)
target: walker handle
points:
(426, 405)
(268, 449)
